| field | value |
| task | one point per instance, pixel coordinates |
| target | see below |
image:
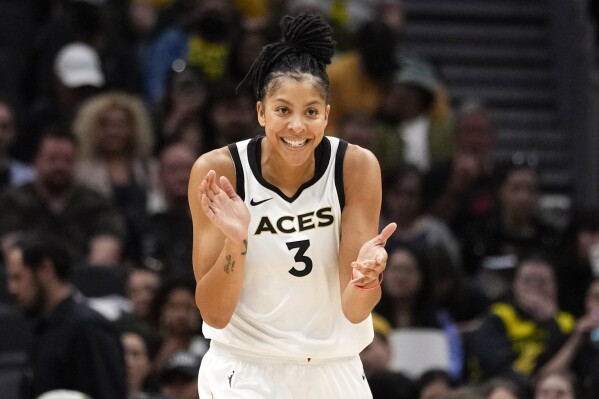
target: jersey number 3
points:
(300, 257)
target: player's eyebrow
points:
(289, 102)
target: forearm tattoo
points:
(230, 265)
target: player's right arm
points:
(220, 222)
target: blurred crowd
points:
(499, 299)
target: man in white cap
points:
(77, 64)
(77, 75)
(78, 69)
(63, 394)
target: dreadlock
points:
(306, 47)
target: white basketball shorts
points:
(227, 373)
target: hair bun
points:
(309, 33)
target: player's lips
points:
(295, 143)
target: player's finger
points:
(386, 233)
(208, 192)
(210, 176)
(364, 267)
(206, 202)
(213, 186)
(227, 187)
(356, 274)
(201, 189)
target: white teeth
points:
(294, 143)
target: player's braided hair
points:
(306, 47)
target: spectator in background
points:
(501, 388)
(492, 246)
(77, 71)
(465, 392)
(76, 76)
(56, 205)
(139, 351)
(580, 353)
(434, 384)
(179, 376)
(403, 204)
(409, 130)
(246, 47)
(407, 301)
(175, 317)
(63, 394)
(376, 356)
(578, 260)
(67, 21)
(143, 20)
(170, 250)
(12, 171)
(230, 115)
(181, 109)
(359, 130)
(520, 336)
(453, 291)
(203, 40)
(390, 12)
(462, 188)
(140, 288)
(116, 138)
(89, 22)
(384, 383)
(358, 78)
(192, 133)
(75, 348)
(559, 384)
(586, 363)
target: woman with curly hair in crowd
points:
(116, 143)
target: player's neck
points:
(284, 175)
(287, 178)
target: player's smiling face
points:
(294, 114)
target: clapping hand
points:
(224, 207)
(372, 259)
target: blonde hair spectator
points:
(116, 138)
(88, 124)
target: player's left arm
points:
(362, 256)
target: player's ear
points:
(260, 112)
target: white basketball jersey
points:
(290, 304)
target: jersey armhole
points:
(339, 157)
(239, 178)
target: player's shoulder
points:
(361, 170)
(356, 156)
(218, 160)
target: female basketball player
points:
(286, 256)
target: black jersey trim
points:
(239, 178)
(341, 149)
(322, 154)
